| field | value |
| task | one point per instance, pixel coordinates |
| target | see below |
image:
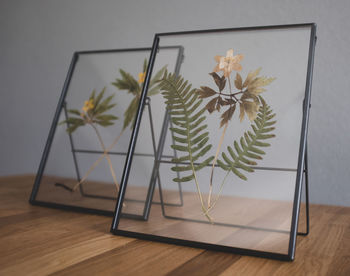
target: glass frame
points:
(62, 109)
(301, 166)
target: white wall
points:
(37, 39)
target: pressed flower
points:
(142, 77)
(88, 105)
(229, 63)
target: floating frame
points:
(301, 159)
(61, 109)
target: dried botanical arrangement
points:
(190, 132)
(94, 109)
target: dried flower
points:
(228, 63)
(88, 105)
(142, 77)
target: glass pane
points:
(235, 160)
(97, 116)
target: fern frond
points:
(187, 117)
(246, 151)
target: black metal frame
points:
(302, 157)
(62, 105)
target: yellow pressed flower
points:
(229, 63)
(142, 77)
(88, 105)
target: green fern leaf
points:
(188, 131)
(247, 150)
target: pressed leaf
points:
(205, 92)
(105, 123)
(244, 154)
(229, 101)
(251, 109)
(256, 86)
(144, 65)
(99, 98)
(73, 120)
(106, 117)
(74, 111)
(238, 82)
(72, 128)
(241, 112)
(238, 173)
(251, 76)
(184, 179)
(211, 105)
(204, 163)
(130, 112)
(227, 115)
(223, 166)
(92, 96)
(184, 106)
(127, 82)
(180, 148)
(181, 168)
(220, 81)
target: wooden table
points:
(40, 241)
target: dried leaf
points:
(220, 81)
(246, 96)
(251, 76)
(127, 82)
(211, 105)
(229, 101)
(145, 63)
(251, 108)
(74, 111)
(238, 81)
(221, 102)
(241, 112)
(205, 92)
(130, 112)
(255, 86)
(227, 115)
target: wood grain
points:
(42, 241)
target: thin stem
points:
(219, 147)
(205, 211)
(107, 156)
(98, 161)
(231, 95)
(220, 191)
(214, 163)
(229, 84)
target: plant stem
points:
(231, 95)
(214, 163)
(218, 149)
(98, 162)
(229, 84)
(205, 211)
(220, 191)
(107, 156)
